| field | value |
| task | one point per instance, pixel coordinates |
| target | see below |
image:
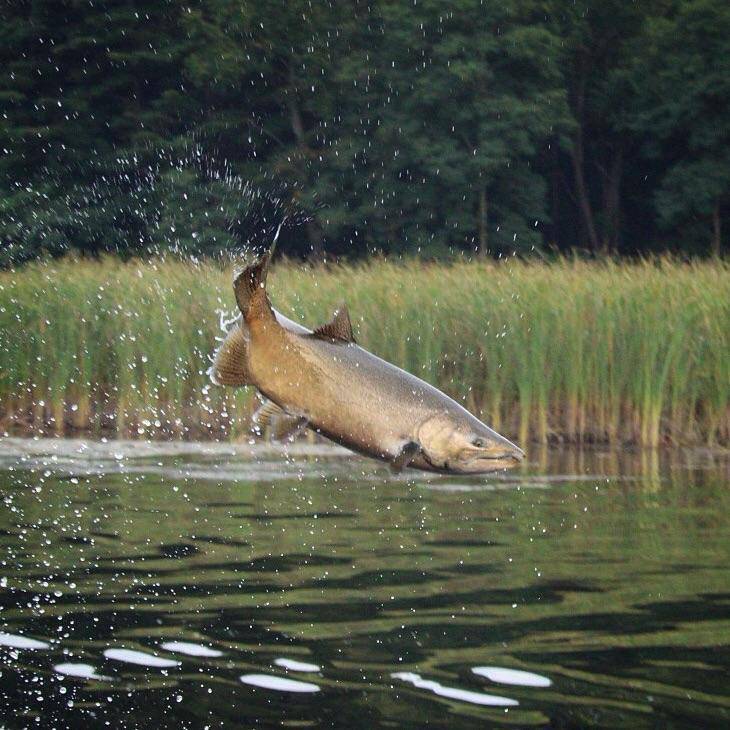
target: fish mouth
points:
(494, 461)
(511, 452)
(482, 462)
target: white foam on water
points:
(456, 487)
(278, 684)
(502, 675)
(21, 642)
(139, 657)
(445, 487)
(296, 666)
(78, 669)
(111, 451)
(186, 647)
(206, 461)
(454, 693)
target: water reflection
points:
(296, 666)
(79, 669)
(278, 684)
(588, 589)
(502, 675)
(453, 693)
(141, 658)
(187, 647)
(21, 642)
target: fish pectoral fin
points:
(230, 362)
(280, 424)
(339, 329)
(405, 456)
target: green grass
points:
(608, 352)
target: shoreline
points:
(313, 445)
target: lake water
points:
(193, 586)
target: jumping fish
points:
(324, 380)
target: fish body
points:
(324, 380)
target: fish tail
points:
(249, 285)
(230, 362)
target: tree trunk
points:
(483, 221)
(314, 232)
(555, 196)
(612, 202)
(315, 238)
(716, 230)
(577, 155)
(295, 117)
(581, 189)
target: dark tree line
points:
(401, 125)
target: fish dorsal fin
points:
(339, 329)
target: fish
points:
(323, 380)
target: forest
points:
(418, 127)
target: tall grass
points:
(607, 352)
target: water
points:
(198, 586)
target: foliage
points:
(389, 126)
(454, 127)
(686, 92)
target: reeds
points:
(571, 350)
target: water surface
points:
(181, 585)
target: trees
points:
(263, 70)
(395, 126)
(88, 89)
(685, 116)
(448, 110)
(600, 41)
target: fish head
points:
(465, 445)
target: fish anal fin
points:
(409, 451)
(265, 413)
(280, 424)
(230, 362)
(287, 428)
(339, 329)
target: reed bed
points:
(570, 350)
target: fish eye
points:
(480, 443)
